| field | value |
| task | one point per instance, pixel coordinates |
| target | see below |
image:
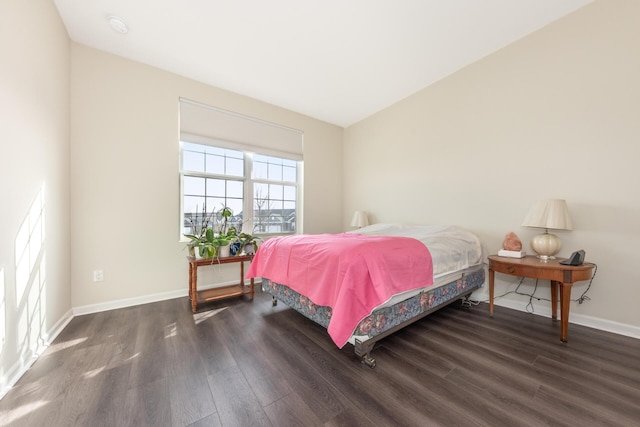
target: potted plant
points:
(225, 214)
(248, 244)
(222, 245)
(227, 241)
(234, 241)
(226, 235)
(201, 241)
(202, 245)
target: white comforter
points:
(452, 248)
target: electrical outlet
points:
(98, 275)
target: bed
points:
(366, 284)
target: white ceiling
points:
(335, 60)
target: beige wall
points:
(554, 115)
(35, 285)
(124, 175)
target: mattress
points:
(454, 251)
(452, 248)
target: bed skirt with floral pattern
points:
(385, 318)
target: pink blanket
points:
(350, 273)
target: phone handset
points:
(576, 258)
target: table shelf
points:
(222, 292)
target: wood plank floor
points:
(240, 363)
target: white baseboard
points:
(26, 360)
(576, 318)
(127, 302)
(16, 372)
(58, 327)
(145, 299)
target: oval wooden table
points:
(562, 278)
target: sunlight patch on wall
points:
(28, 244)
(36, 306)
(31, 279)
(3, 311)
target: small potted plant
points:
(202, 246)
(234, 240)
(225, 214)
(201, 241)
(226, 235)
(248, 243)
(223, 246)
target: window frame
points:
(247, 179)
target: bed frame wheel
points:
(274, 301)
(369, 361)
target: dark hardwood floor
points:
(241, 363)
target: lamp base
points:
(546, 245)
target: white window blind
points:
(237, 131)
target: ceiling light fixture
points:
(118, 24)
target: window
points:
(264, 186)
(274, 194)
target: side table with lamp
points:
(547, 214)
(561, 276)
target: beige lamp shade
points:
(360, 219)
(548, 214)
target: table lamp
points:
(548, 214)
(360, 219)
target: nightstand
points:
(562, 277)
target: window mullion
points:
(248, 193)
(212, 175)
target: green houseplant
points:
(225, 214)
(206, 242)
(221, 244)
(208, 246)
(248, 243)
(202, 242)
(201, 245)
(226, 235)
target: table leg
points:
(193, 284)
(491, 278)
(565, 301)
(554, 299)
(251, 289)
(190, 268)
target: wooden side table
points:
(562, 277)
(200, 297)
